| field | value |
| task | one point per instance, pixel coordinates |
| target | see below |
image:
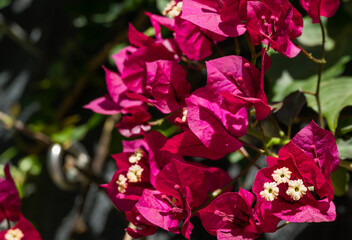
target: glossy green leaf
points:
(335, 95)
(345, 148)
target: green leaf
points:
(340, 179)
(161, 4)
(345, 148)
(235, 157)
(335, 94)
(4, 3)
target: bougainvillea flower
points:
(142, 226)
(211, 123)
(235, 82)
(274, 22)
(10, 202)
(320, 145)
(134, 121)
(166, 83)
(131, 61)
(23, 230)
(303, 195)
(194, 42)
(116, 100)
(220, 17)
(317, 8)
(230, 216)
(188, 144)
(179, 189)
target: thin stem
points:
(259, 150)
(237, 47)
(282, 225)
(251, 49)
(263, 136)
(321, 120)
(127, 236)
(310, 56)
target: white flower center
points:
(14, 234)
(172, 9)
(121, 183)
(184, 115)
(281, 175)
(136, 157)
(135, 173)
(296, 189)
(270, 192)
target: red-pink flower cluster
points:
(154, 185)
(10, 211)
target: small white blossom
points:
(296, 189)
(172, 9)
(270, 192)
(135, 173)
(281, 175)
(122, 183)
(14, 234)
(136, 157)
(184, 115)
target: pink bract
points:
(220, 17)
(317, 8)
(24, 226)
(234, 82)
(274, 22)
(230, 216)
(10, 202)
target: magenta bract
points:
(317, 8)
(10, 202)
(220, 17)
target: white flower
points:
(14, 234)
(270, 192)
(136, 157)
(135, 173)
(296, 189)
(184, 115)
(281, 175)
(173, 9)
(122, 183)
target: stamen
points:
(122, 183)
(135, 173)
(184, 115)
(136, 157)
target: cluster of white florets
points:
(296, 188)
(134, 173)
(172, 9)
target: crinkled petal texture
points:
(220, 17)
(234, 82)
(230, 216)
(317, 8)
(167, 85)
(211, 123)
(116, 100)
(310, 201)
(143, 226)
(274, 22)
(188, 144)
(10, 202)
(179, 188)
(134, 122)
(319, 144)
(24, 227)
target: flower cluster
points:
(10, 212)
(154, 185)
